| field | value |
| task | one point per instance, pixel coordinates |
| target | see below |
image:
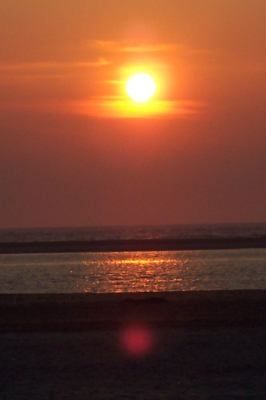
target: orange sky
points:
(74, 150)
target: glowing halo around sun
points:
(140, 87)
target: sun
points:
(141, 87)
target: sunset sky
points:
(75, 150)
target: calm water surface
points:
(133, 271)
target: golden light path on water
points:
(177, 270)
(146, 271)
(153, 271)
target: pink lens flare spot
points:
(137, 341)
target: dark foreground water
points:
(221, 363)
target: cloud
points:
(117, 107)
(48, 66)
(131, 47)
(148, 49)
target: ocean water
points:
(133, 232)
(216, 363)
(133, 271)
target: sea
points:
(139, 271)
(183, 363)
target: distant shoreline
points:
(132, 245)
(90, 311)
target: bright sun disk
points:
(140, 87)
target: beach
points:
(210, 363)
(220, 363)
(86, 311)
(185, 345)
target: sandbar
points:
(88, 311)
(133, 245)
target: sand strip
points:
(132, 245)
(77, 312)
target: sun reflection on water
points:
(135, 262)
(133, 271)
